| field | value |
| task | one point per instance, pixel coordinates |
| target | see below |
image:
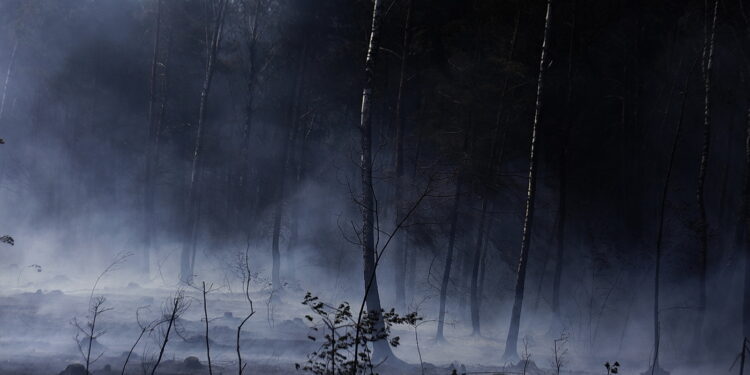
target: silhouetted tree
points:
(515, 319)
(708, 55)
(367, 201)
(187, 258)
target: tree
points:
(292, 128)
(451, 242)
(660, 227)
(475, 330)
(400, 254)
(708, 54)
(367, 202)
(495, 161)
(515, 319)
(156, 111)
(744, 228)
(8, 72)
(563, 175)
(251, 30)
(187, 258)
(746, 247)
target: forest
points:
(395, 187)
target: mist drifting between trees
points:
(536, 186)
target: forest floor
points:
(38, 336)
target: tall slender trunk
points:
(726, 216)
(632, 143)
(660, 227)
(299, 156)
(497, 151)
(411, 276)
(744, 227)
(295, 202)
(708, 53)
(463, 281)
(372, 294)
(746, 245)
(483, 269)
(452, 238)
(292, 129)
(151, 144)
(449, 257)
(475, 330)
(515, 320)
(250, 28)
(399, 252)
(8, 73)
(411, 268)
(187, 258)
(563, 176)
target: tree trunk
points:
(285, 161)
(8, 72)
(746, 245)
(497, 151)
(151, 145)
(451, 244)
(367, 207)
(299, 155)
(187, 258)
(515, 320)
(743, 229)
(250, 29)
(563, 177)
(448, 261)
(482, 270)
(475, 271)
(291, 245)
(463, 281)
(708, 52)
(660, 227)
(411, 276)
(399, 252)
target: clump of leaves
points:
(612, 368)
(342, 335)
(8, 239)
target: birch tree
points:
(515, 319)
(367, 200)
(8, 73)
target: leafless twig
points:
(175, 307)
